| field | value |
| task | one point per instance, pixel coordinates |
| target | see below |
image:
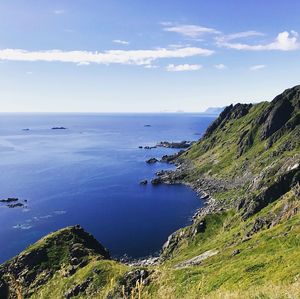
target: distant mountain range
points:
(213, 110)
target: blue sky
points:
(145, 56)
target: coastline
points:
(204, 187)
(176, 177)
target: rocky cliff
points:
(248, 158)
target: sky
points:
(145, 56)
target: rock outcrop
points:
(181, 144)
(230, 112)
(67, 250)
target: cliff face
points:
(245, 243)
(248, 158)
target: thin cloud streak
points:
(183, 67)
(121, 42)
(192, 31)
(133, 57)
(257, 67)
(238, 35)
(59, 11)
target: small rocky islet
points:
(13, 202)
(53, 128)
(58, 128)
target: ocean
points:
(89, 174)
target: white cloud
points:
(82, 63)
(295, 33)
(136, 57)
(151, 66)
(192, 31)
(183, 67)
(285, 41)
(121, 42)
(59, 11)
(29, 73)
(176, 46)
(244, 34)
(257, 67)
(220, 66)
(166, 23)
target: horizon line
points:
(102, 112)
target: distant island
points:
(58, 128)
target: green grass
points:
(103, 282)
(270, 257)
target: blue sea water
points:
(89, 174)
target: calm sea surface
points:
(89, 174)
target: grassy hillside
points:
(245, 243)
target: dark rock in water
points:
(58, 128)
(9, 199)
(152, 161)
(171, 158)
(206, 196)
(26, 129)
(143, 182)
(161, 172)
(235, 252)
(140, 146)
(149, 147)
(12, 202)
(169, 177)
(156, 181)
(15, 205)
(182, 144)
(147, 126)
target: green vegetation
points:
(105, 276)
(270, 258)
(244, 244)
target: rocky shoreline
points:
(167, 144)
(204, 188)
